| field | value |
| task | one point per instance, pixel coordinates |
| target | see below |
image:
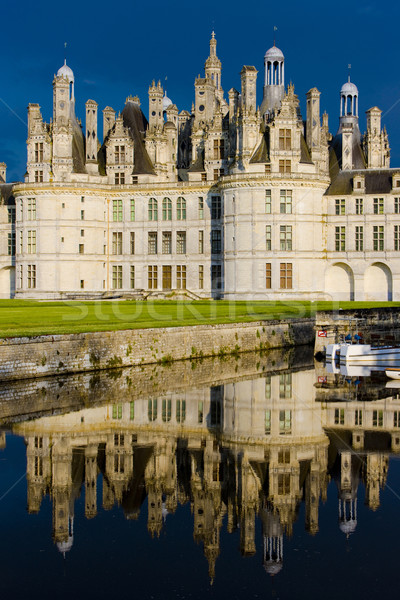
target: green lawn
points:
(30, 318)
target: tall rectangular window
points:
(285, 166)
(201, 242)
(268, 276)
(378, 238)
(31, 241)
(39, 152)
(215, 241)
(201, 208)
(11, 214)
(359, 206)
(152, 242)
(216, 207)
(31, 209)
(358, 420)
(31, 276)
(267, 422)
(396, 419)
(117, 210)
(132, 278)
(167, 209)
(396, 237)
(285, 202)
(117, 277)
(286, 276)
(377, 418)
(285, 386)
(379, 206)
(166, 242)
(81, 248)
(181, 242)
(340, 239)
(132, 207)
(181, 209)
(396, 206)
(268, 202)
(132, 242)
(285, 422)
(285, 139)
(38, 176)
(166, 410)
(283, 484)
(117, 242)
(152, 409)
(339, 416)
(119, 154)
(181, 277)
(201, 277)
(340, 206)
(11, 244)
(180, 411)
(285, 238)
(359, 238)
(268, 241)
(153, 209)
(20, 276)
(216, 277)
(82, 215)
(152, 277)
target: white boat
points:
(332, 352)
(392, 373)
(367, 354)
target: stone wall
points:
(33, 398)
(22, 358)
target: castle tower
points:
(212, 65)
(90, 481)
(274, 80)
(91, 136)
(156, 117)
(63, 113)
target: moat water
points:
(257, 477)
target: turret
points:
(274, 80)
(212, 66)
(156, 118)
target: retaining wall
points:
(22, 358)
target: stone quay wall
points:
(42, 356)
(33, 398)
(375, 325)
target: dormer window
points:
(285, 139)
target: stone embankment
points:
(32, 398)
(23, 358)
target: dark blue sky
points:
(116, 50)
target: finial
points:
(275, 29)
(349, 68)
(65, 53)
(213, 34)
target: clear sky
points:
(116, 50)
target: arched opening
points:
(339, 282)
(378, 283)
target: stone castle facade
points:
(229, 200)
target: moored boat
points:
(392, 373)
(367, 354)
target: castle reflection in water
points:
(246, 449)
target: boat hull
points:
(367, 354)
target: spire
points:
(212, 65)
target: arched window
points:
(153, 209)
(181, 209)
(167, 209)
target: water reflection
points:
(255, 446)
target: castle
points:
(230, 200)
